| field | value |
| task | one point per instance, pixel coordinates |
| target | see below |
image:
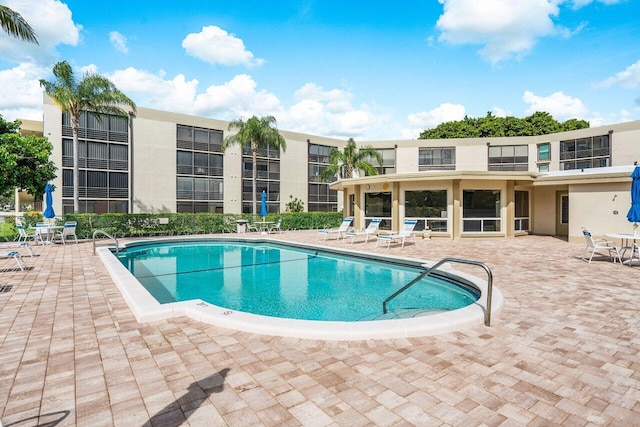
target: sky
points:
(371, 70)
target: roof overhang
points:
(603, 175)
(523, 178)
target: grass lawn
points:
(7, 232)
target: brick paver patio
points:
(563, 352)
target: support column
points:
(456, 220)
(395, 206)
(357, 209)
(510, 202)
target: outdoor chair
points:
(23, 235)
(18, 244)
(251, 228)
(276, 227)
(406, 231)
(595, 245)
(15, 255)
(372, 228)
(344, 227)
(69, 230)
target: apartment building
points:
(159, 161)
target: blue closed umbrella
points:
(48, 198)
(634, 213)
(263, 207)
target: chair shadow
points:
(197, 393)
(51, 419)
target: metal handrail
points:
(487, 312)
(95, 233)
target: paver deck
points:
(563, 352)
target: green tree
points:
(94, 94)
(573, 124)
(24, 160)
(258, 134)
(346, 162)
(14, 24)
(539, 123)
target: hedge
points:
(133, 225)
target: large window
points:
(585, 153)
(508, 158)
(199, 160)
(480, 211)
(522, 211)
(437, 158)
(378, 205)
(428, 207)
(103, 163)
(320, 197)
(388, 161)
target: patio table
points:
(624, 242)
(263, 226)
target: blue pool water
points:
(283, 281)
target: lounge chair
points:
(595, 245)
(15, 255)
(69, 230)
(372, 228)
(276, 227)
(406, 231)
(346, 223)
(18, 244)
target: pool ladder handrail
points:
(95, 233)
(428, 272)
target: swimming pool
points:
(282, 281)
(146, 308)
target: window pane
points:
(185, 158)
(481, 203)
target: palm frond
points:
(15, 25)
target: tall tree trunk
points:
(75, 126)
(254, 158)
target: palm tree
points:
(258, 133)
(94, 94)
(345, 163)
(14, 24)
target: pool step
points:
(400, 314)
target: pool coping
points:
(147, 309)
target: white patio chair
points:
(69, 230)
(371, 229)
(406, 231)
(276, 227)
(23, 235)
(346, 223)
(595, 245)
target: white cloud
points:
(328, 113)
(418, 122)
(506, 28)
(237, 97)
(215, 46)
(53, 25)
(20, 92)
(629, 78)
(559, 105)
(118, 41)
(155, 91)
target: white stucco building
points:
(479, 187)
